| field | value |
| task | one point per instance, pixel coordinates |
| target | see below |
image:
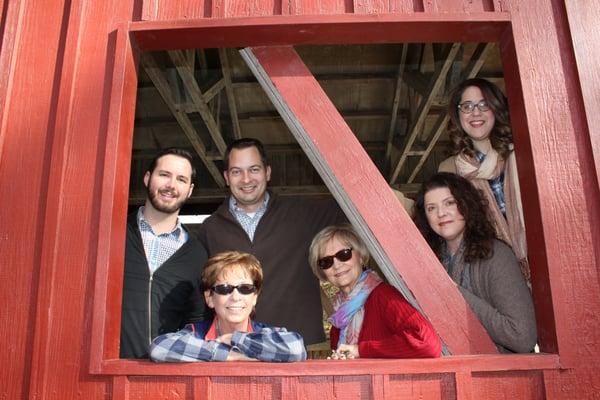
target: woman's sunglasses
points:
(327, 261)
(244, 288)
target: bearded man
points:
(163, 263)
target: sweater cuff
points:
(220, 352)
(237, 338)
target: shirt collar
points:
(143, 224)
(233, 207)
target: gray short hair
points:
(345, 234)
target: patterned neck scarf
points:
(350, 310)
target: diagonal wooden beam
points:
(187, 76)
(237, 132)
(472, 69)
(396, 101)
(162, 85)
(436, 84)
(365, 197)
(213, 90)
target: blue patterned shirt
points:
(265, 343)
(497, 185)
(248, 223)
(159, 248)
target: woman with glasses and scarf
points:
(371, 319)
(451, 214)
(481, 137)
(231, 281)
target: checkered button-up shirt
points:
(265, 343)
(497, 185)
(248, 222)
(159, 248)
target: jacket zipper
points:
(150, 310)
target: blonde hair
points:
(345, 234)
(220, 263)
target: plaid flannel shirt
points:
(265, 343)
(497, 185)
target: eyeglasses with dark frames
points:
(327, 261)
(224, 290)
(468, 106)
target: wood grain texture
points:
(568, 204)
(425, 386)
(28, 77)
(312, 29)
(159, 10)
(245, 8)
(163, 388)
(508, 385)
(316, 7)
(65, 150)
(392, 238)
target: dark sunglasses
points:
(342, 255)
(244, 288)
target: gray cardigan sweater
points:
(499, 296)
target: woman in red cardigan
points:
(371, 319)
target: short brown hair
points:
(345, 234)
(230, 260)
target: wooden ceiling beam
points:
(213, 90)
(233, 113)
(436, 85)
(156, 74)
(187, 76)
(472, 69)
(396, 100)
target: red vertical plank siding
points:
(28, 78)
(245, 8)
(508, 385)
(160, 10)
(455, 322)
(387, 6)
(457, 6)
(70, 236)
(583, 22)
(316, 7)
(542, 293)
(563, 165)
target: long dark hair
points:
(479, 231)
(501, 135)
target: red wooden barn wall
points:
(56, 64)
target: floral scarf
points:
(350, 310)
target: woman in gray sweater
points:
(452, 216)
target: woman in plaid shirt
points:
(232, 282)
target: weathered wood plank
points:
(582, 17)
(245, 8)
(392, 238)
(311, 29)
(557, 194)
(508, 385)
(316, 7)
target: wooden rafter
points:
(396, 101)
(436, 84)
(472, 69)
(237, 132)
(162, 85)
(391, 237)
(182, 65)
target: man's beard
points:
(164, 208)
